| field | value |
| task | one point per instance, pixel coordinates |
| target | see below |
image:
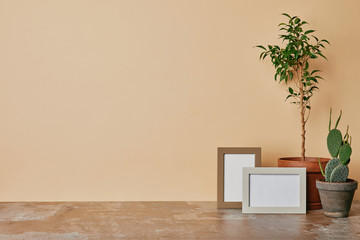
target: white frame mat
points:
(274, 190)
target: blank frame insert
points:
(233, 164)
(272, 186)
(274, 190)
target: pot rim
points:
(307, 159)
(311, 164)
(348, 180)
(349, 185)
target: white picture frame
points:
(269, 190)
(230, 164)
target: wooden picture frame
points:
(274, 190)
(230, 164)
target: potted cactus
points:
(337, 190)
(292, 64)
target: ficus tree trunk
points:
(303, 131)
(302, 107)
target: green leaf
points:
(312, 55)
(285, 14)
(308, 107)
(322, 172)
(322, 55)
(291, 90)
(315, 38)
(296, 55)
(337, 122)
(306, 66)
(324, 40)
(261, 55)
(260, 46)
(309, 31)
(315, 71)
(346, 136)
(330, 120)
(304, 37)
(297, 20)
(313, 88)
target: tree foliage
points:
(292, 61)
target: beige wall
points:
(129, 100)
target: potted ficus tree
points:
(292, 63)
(337, 190)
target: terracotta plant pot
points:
(312, 174)
(336, 197)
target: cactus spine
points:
(337, 169)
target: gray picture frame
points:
(291, 180)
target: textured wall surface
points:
(129, 100)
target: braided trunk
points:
(302, 113)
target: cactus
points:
(345, 153)
(334, 141)
(336, 169)
(333, 163)
(340, 173)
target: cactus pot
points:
(336, 197)
(312, 174)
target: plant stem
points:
(302, 132)
(302, 115)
